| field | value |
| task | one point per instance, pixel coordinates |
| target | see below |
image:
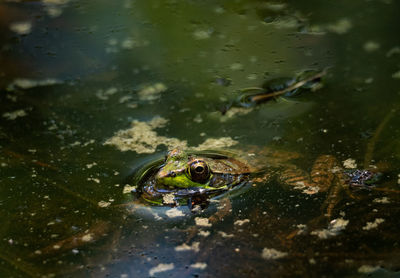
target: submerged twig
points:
(44, 180)
(93, 234)
(68, 191)
(265, 96)
(18, 264)
(371, 144)
(24, 157)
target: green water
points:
(74, 73)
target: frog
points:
(187, 176)
(194, 178)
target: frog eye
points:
(198, 171)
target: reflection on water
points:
(93, 90)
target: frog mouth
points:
(157, 195)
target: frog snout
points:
(164, 174)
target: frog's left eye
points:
(199, 171)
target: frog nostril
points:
(172, 174)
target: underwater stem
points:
(371, 144)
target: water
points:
(74, 73)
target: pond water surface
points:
(93, 90)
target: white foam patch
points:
(366, 269)
(272, 254)
(383, 200)
(241, 222)
(334, 228)
(225, 235)
(199, 265)
(374, 224)
(184, 247)
(21, 28)
(203, 222)
(349, 163)
(161, 268)
(174, 212)
(14, 114)
(26, 83)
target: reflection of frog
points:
(194, 177)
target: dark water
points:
(74, 73)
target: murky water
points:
(93, 90)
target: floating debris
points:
(340, 27)
(169, 199)
(199, 265)
(25, 83)
(124, 99)
(396, 75)
(204, 233)
(366, 269)
(272, 254)
(184, 247)
(21, 28)
(104, 95)
(236, 66)
(54, 8)
(142, 138)
(198, 119)
(349, 163)
(90, 165)
(130, 43)
(103, 204)
(371, 46)
(225, 235)
(393, 51)
(202, 34)
(306, 189)
(96, 180)
(241, 222)
(373, 225)
(235, 111)
(128, 189)
(383, 200)
(112, 46)
(334, 228)
(216, 143)
(285, 22)
(87, 237)
(15, 114)
(161, 268)
(152, 92)
(174, 212)
(203, 222)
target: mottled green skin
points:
(174, 172)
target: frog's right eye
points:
(199, 171)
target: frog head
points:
(181, 170)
